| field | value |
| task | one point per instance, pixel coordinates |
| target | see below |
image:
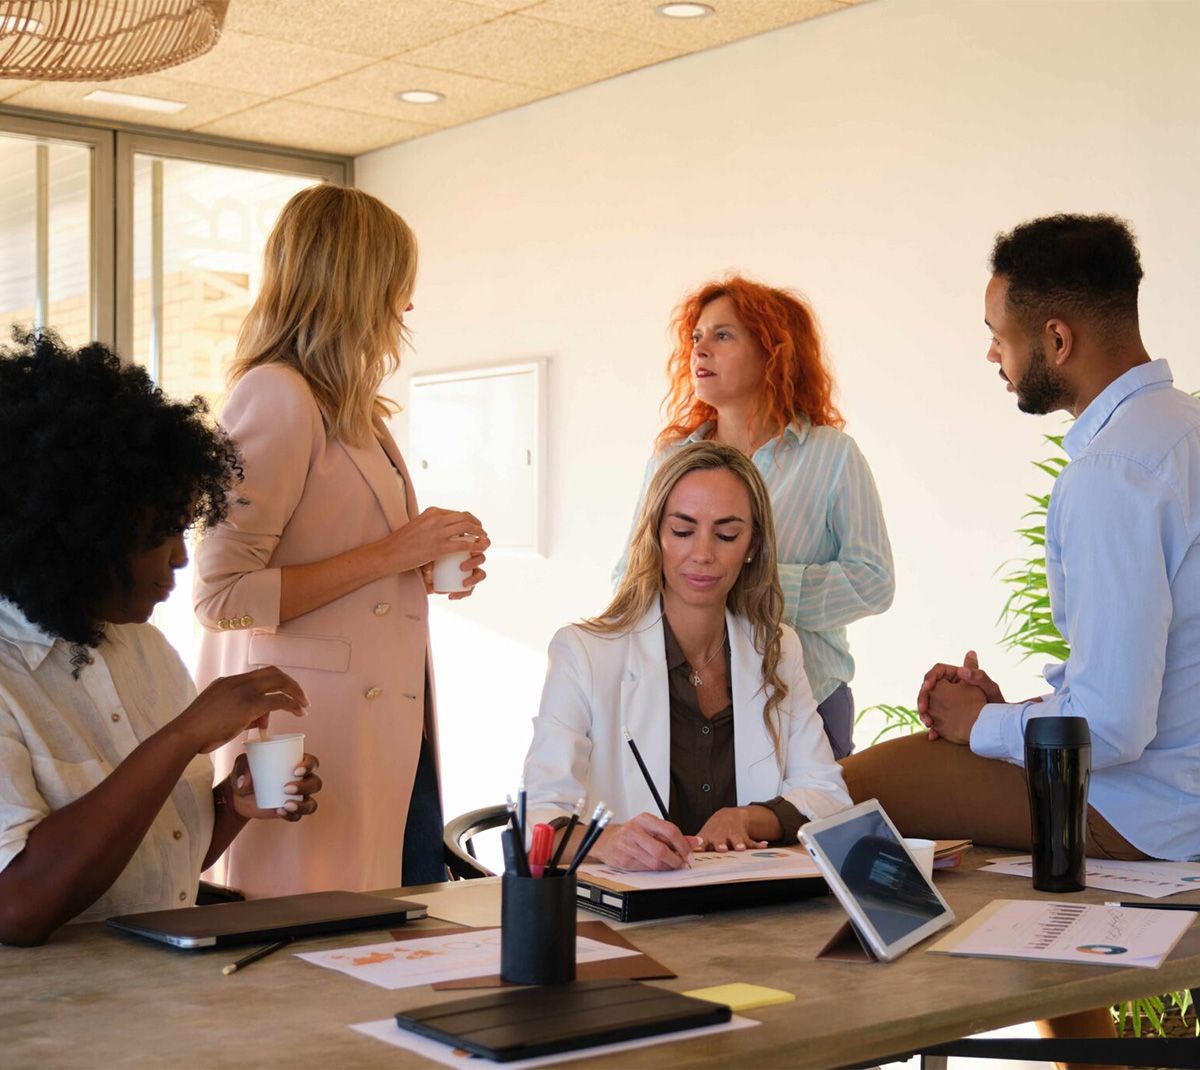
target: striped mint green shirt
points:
(835, 560)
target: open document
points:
(1055, 931)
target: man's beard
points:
(1041, 389)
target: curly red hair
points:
(796, 382)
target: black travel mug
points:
(1058, 764)
(537, 929)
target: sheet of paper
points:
(1055, 931)
(1154, 880)
(446, 957)
(475, 904)
(710, 867)
(387, 1030)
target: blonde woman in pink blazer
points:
(322, 566)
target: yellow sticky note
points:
(742, 997)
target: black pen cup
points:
(1058, 766)
(537, 929)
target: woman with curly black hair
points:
(106, 798)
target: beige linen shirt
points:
(61, 736)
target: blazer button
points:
(245, 622)
(372, 692)
(223, 623)
(381, 608)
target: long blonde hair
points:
(339, 268)
(755, 595)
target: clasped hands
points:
(647, 842)
(952, 696)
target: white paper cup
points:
(448, 575)
(922, 851)
(273, 763)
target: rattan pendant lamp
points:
(98, 40)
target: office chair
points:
(457, 848)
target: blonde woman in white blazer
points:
(734, 742)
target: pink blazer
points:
(362, 659)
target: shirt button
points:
(705, 730)
(706, 787)
(381, 608)
(177, 834)
(373, 692)
(116, 717)
(183, 897)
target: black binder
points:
(522, 1023)
(644, 904)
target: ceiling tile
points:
(305, 126)
(204, 103)
(529, 51)
(265, 67)
(11, 86)
(374, 90)
(506, 5)
(365, 27)
(731, 20)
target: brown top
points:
(703, 773)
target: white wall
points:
(866, 158)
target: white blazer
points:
(598, 684)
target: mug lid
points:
(1057, 732)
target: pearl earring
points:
(749, 559)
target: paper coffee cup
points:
(922, 851)
(273, 762)
(448, 575)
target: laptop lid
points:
(260, 920)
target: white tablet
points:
(869, 868)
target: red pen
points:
(540, 848)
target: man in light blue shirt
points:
(1122, 563)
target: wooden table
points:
(93, 998)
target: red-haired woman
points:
(747, 370)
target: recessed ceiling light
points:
(132, 100)
(684, 11)
(19, 24)
(420, 96)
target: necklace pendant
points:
(696, 681)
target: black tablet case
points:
(523, 1023)
(257, 921)
(644, 904)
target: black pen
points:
(589, 842)
(558, 851)
(254, 956)
(645, 772)
(1157, 906)
(518, 841)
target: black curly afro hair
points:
(97, 464)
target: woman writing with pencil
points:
(690, 661)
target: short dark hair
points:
(1070, 263)
(98, 464)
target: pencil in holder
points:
(537, 930)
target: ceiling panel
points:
(375, 28)
(266, 67)
(306, 126)
(373, 89)
(322, 74)
(531, 51)
(204, 103)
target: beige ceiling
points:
(322, 74)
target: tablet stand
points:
(847, 945)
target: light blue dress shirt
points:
(1123, 565)
(835, 560)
